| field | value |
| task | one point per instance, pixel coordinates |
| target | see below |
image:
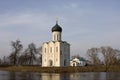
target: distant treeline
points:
(20, 56)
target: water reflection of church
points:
(56, 52)
(55, 76)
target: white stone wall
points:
(56, 36)
(57, 52)
(77, 62)
(74, 63)
(65, 54)
(51, 54)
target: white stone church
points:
(56, 53)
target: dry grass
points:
(99, 68)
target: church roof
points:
(78, 59)
(56, 27)
(82, 59)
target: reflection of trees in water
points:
(65, 76)
(88, 76)
(4, 75)
(23, 76)
(99, 76)
(62, 76)
(12, 76)
(113, 76)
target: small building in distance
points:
(78, 62)
(56, 53)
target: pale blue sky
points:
(85, 23)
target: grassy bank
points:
(115, 68)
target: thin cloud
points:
(71, 5)
(23, 18)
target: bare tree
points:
(117, 56)
(16, 48)
(109, 55)
(75, 56)
(24, 59)
(39, 56)
(31, 51)
(93, 56)
(30, 55)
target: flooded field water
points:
(5, 75)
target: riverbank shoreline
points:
(60, 69)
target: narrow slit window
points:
(57, 37)
(56, 49)
(51, 50)
(54, 37)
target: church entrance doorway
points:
(50, 63)
(73, 64)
